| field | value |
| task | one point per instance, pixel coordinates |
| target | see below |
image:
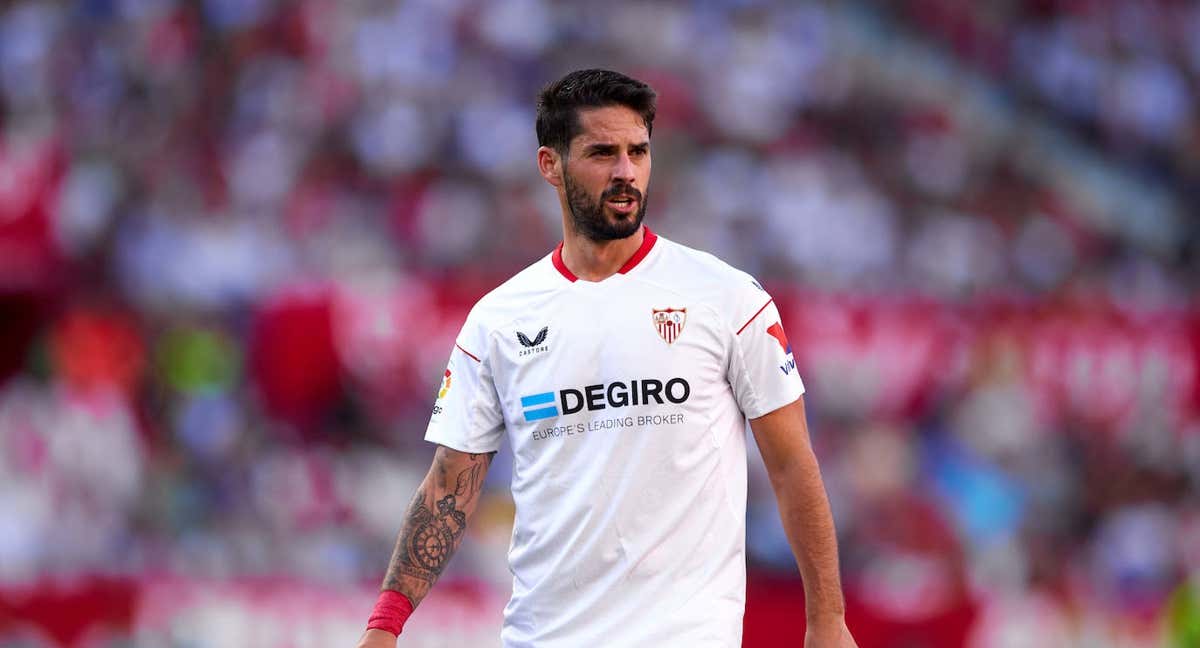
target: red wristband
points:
(391, 611)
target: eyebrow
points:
(604, 147)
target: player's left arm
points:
(783, 440)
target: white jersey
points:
(624, 402)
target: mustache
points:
(621, 189)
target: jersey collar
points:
(648, 240)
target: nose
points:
(623, 169)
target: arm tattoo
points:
(434, 526)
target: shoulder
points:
(705, 277)
(513, 298)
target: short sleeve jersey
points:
(624, 402)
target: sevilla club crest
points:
(669, 322)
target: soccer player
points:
(621, 368)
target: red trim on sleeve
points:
(469, 354)
(562, 268)
(764, 307)
(648, 240)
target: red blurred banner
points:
(277, 613)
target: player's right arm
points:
(432, 529)
(466, 415)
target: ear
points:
(550, 165)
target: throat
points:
(595, 261)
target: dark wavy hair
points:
(559, 102)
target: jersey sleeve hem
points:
(459, 445)
(770, 406)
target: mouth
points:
(622, 204)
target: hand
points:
(828, 634)
(376, 638)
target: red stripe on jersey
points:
(764, 307)
(469, 354)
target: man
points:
(621, 368)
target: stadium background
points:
(237, 238)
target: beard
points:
(588, 215)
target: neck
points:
(598, 260)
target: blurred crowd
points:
(1124, 73)
(238, 237)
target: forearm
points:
(435, 523)
(808, 522)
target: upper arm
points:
(782, 436)
(467, 414)
(761, 369)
